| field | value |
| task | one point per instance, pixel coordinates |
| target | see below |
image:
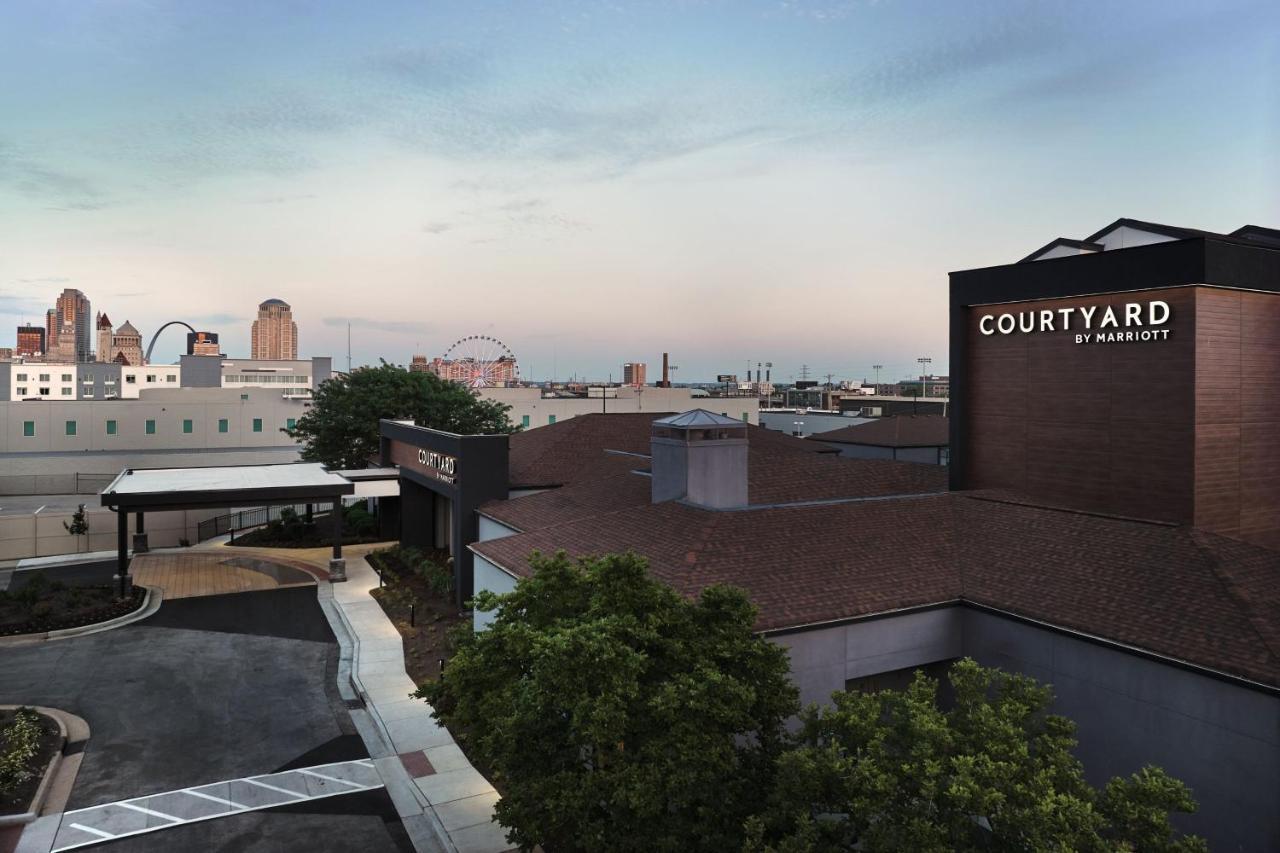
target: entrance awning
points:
(143, 490)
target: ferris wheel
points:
(481, 361)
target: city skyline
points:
(732, 184)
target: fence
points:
(92, 484)
(249, 518)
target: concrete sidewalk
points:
(440, 797)
(444, 782)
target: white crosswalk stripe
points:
(154, 812)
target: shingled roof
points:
(1169, 590)
(894, 431)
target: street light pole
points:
(924, 372)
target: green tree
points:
(895, 771)
(78, 526)
(341, 427)
(613, 713)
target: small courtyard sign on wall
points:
(442, 465)
(1134, 321)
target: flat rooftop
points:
(223, 485)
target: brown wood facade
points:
(1181, 429)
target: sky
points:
(594, 183)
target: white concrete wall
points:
(824, 659)
(41, 534)
(491, 529)
(490, 577)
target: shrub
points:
(19, 745)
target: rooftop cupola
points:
(700, 457)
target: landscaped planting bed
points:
(43, 605)
(28, 741)
(293, 531)
(417, 595)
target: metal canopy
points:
(230, 485)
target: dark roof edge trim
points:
(1238, 680)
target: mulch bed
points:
(434, 614)
(50, 742)
(59, 607)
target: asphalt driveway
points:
(205, 690)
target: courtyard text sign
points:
(442, 465)
(1133, 321)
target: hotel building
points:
(1108, 522)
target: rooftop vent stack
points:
(700, 457)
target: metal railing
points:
(247, 519)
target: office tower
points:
(126, 345)
(274, 334)
(74, 332)
(203, 343)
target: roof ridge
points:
(1218, 568)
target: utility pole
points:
(804, 372)
(924, 372)
(877, 368)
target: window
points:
(746, 417)
(71, 427)
(244, 396)
(44, 377)
(524, 420)
(151, 378)
(130, 379)
(22, 392)
(67, 377)
(171, 378)
(111, 427)
(67, 392)
(86, 378)
(187, 426)
(551, 419)
(151, 427)
(88, 393)
(222, 424)
(28, 428)
(22, 377)
(290, 422)
(44, 392)
(257, 424)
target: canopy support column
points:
(140, 535)
(337, 565)
(122, 578)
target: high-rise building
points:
(30, 341)
(419, 364)
(103, 326)
(50, 330)
(274, 334)
(633, 373)
(74, 330)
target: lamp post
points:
(877, 368)
(924, 372)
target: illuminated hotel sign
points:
(1134, 321)
(443, 466)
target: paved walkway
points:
(445, 790)
(188, 574)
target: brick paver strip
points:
(417, 764)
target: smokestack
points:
(768, 374)
(666, 372)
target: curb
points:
(66, 723)
(150, 604)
